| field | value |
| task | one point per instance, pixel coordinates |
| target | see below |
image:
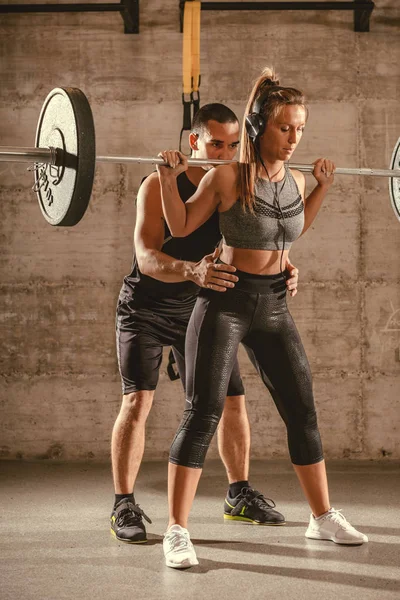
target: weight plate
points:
(66, 123)
(394, 182)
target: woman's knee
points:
(304, 439)
(193, 438)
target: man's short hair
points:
(212, 112)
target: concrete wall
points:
(60, 388)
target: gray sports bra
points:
(265, 228)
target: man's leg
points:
(127, 447)
(139, 351)
(234, 439)
(128, 437)
(242, 502)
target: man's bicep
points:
(149, 231)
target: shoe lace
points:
(338, 517)
(178, 541)
(131, 515)
(255, 498)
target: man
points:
(154, 307)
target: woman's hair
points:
(271, 107)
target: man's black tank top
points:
(191, 248)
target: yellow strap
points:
(187, 48)
(196, 9)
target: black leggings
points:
(255, 313)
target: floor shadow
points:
(154, 539)
(320, 575)
(375, 553)
(131, 561)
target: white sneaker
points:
(334, 526)
(178, 549)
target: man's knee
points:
(137, 405)
(234, 406)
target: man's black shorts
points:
(143, 327)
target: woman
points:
(262, 209)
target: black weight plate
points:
(66, 123)
(394, 182)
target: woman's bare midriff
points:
(257, 262)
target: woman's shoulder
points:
(298, 176)
(227, 174)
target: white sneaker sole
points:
(185, 564)
(320, 536)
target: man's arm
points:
(149, 238)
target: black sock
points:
(119, 497)
(236, 487)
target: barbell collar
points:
(53, 156)
(29, 155)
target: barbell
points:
(64, 159)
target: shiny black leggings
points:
(255, 313)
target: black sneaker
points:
(127, 524)
(251, 506)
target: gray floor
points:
(55, 541)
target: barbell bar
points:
(64, 159)
(49, 156)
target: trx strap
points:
(190, 64)
(195, 95)
(191, 93)
(187, 66)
